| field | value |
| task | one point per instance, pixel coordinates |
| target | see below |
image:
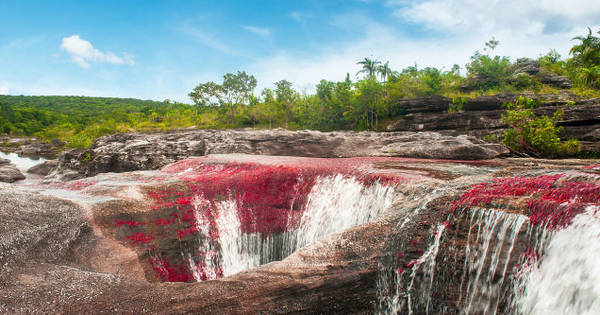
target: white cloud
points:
(532, 17)
(462, 30)
(83, 52)
(4, 88)
(260, 31)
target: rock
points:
(436, 146)
(36, 149)
(559, 81)
(43, 168)
(425, 104)
(526, 65)
(9, 173)
(141, 151)
(4, 161)
(489, 102)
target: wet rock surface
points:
(73, 257)
(140, 151)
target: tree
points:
(205, 95)
(384, 71)
(369, 66)
(587, 52)
(237, 89)
(269, 106)
(285, 95)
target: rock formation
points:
(141, 151)
(482, 116)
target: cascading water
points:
(527, 245)
(566, 279)
(488, 250)
(488, 254)
(334, 204)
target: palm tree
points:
(588, 50)
(384, 70)
(369, 66)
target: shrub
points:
(536, 136)
(457, 104)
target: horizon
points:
(112, 49)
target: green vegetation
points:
(535, 136)
(363, 102)
(79, 120)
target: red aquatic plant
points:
(551, 200)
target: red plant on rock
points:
(552, 200)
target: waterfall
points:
(566, 280)
(338, 203)
(484, 282)
(334, 204)
(487, 257)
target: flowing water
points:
(21, 162)
(334, 204)
(566, 280)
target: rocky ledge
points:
(482, 116)
(147, 151)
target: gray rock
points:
(526, 65)
(43, 168)
(9, 173)
(141, 151)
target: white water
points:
(21, 162)
(426, 263)
(488, 254)
(334, 204)
(567, 279)
(338, 203)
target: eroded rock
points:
(140, 151)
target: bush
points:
(536, 136)
(487, 72)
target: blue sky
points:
(162, 49)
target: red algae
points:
(552, 200)
(269, 198)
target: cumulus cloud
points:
(4, 88)
(83, 52)
(260, 31)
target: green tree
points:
(587, 52)
(384, 71)
(206, 94)
(236, 91)
(369, 66)
(285, 96)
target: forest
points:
(365, 100)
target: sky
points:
(162, 49)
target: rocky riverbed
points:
(231, 233)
